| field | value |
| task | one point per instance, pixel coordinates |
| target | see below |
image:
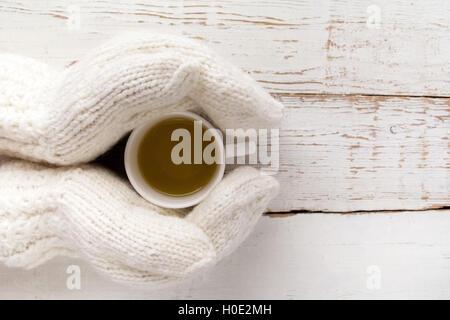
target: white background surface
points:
(367, 128)
(307, 256)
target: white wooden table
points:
(365, 143)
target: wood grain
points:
(338, 153)
(350, 153)
(341, 149)
(307, 256)
(289, 46)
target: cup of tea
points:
(175, 160)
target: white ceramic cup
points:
(147, 191)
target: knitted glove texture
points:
(71, 116)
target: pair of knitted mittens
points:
(55, 204)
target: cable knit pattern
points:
(71, 116)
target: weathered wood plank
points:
(349, 153)
(308, 256)
(289, 46)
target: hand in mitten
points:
(72, 116)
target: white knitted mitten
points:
(46, 212)
(72, 116)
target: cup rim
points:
(151, 194)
